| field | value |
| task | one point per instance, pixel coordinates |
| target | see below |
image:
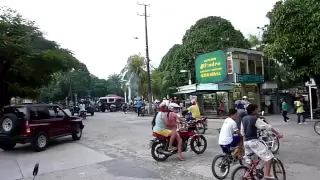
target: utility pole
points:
(147, 53)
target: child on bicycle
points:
(249, 126)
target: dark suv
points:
(36, 124)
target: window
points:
(243, 66)
(252, 66)
(39, 113)
(259, 67)
(56, 112)
(111, 100)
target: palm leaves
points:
(134, 71)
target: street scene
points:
(125, 90)
(115, 146)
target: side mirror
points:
(35, 170)
(262, 113)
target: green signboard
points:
(250, 78)
(211, 67)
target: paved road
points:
(115, 146)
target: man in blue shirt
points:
(139, 105)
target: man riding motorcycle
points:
(82, 108)
(195, 111)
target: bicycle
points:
(227, 159)
(251, 172)
(316, 127)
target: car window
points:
(19, 111)
(39, 113)
(56, 112)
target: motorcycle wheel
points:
(155, 148)
(276, 144)
(195, 142)
(225, 169)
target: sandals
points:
(270, 178)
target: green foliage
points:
(293, 37)
(82, 83)
(160, 83)
(135, 71)
(27, 59)
(207, 35)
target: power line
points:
(145, 15)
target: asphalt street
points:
(115, 146)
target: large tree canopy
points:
(293, 37)
(207, 35)
(27, 59)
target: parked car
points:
(36, 124)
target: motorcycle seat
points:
(159, 136)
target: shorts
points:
(234, 143)
(258, 148)
(165, 132)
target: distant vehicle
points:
(110, 102)
(36, 124)
(90, 108)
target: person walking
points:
(284, 110)
(300, 111)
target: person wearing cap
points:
(173, 118)
(194, 109)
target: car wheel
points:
(76, 132)
(7, 145)
(40, 142)
(9, 124)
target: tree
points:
(293, 37)
(115, 84)
(135, 71)
(206, 35)
(27, 59)
(160, 83)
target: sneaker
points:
(305, 123)
(299, 123)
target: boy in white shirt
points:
(229, 133)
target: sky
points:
(101, 32)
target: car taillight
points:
(27, 128)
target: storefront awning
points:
(187, 89)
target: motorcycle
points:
(268, 138)
(113, 108)
(35, 171)
(160, 144)
(201, 127)
(83, 114)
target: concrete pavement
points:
(115, 146)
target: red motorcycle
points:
(159, 145)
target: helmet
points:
(173, 106)
(244, 97)
(193, 102)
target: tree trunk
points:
(4, 88)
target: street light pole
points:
(147, 53)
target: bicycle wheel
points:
(316, 127)
(223, 167)
(278, 169)
(240, 173)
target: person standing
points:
(139, 106)
(284, 110)
(300, 111)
